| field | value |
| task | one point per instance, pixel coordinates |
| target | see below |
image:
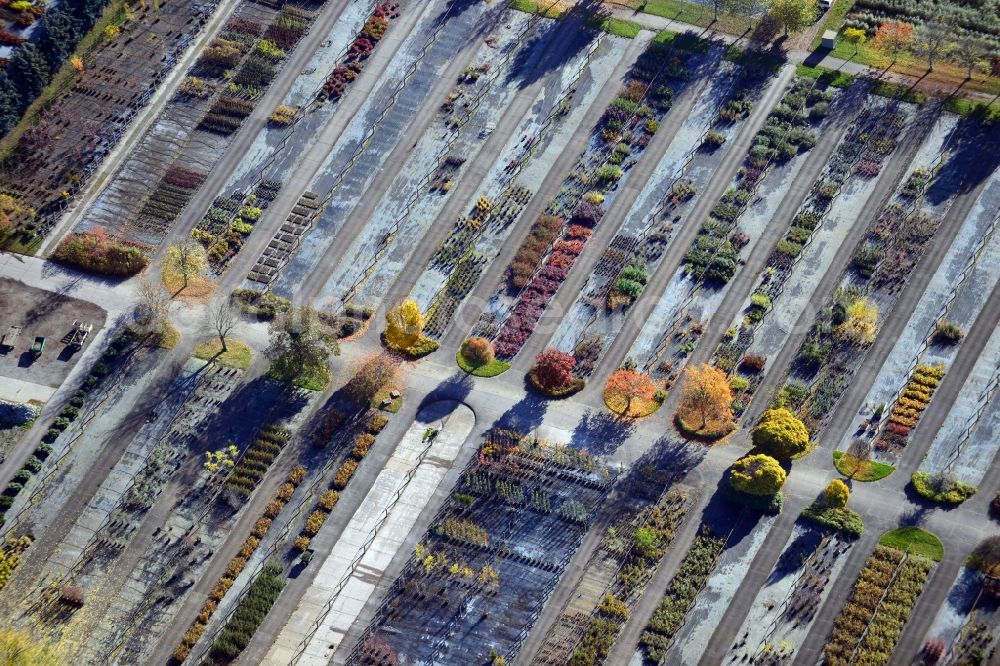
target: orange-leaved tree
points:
(892, 38)
(628, 387)
(705, 399)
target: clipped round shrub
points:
(781, 434)
(836, 494)
(757, 474)
(478, 351)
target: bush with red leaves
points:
(571, 247)
(933, 651)
(553, 369)
(867, 168)
(8, 38)
(578, 232)
(754, 362)
(178, 176)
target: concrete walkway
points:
(371, 539)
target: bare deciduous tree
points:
(932, 41)
(153, 306)
(222, 318)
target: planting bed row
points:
(56, 157)
(493, 555)
(615, 576)
(364, 145)
(414, 201)
(523, 162)
(869, 625)
(785, 607)
(734, 225)
(654, 218)
(562, 232)
(194, 131)
(953, 299)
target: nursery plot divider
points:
(36, 494)
(456, 129)
(670, 641)
(509, 188)
(681, 308)
(172, 427)
(663, 204)
(592, 166)
(362, 145)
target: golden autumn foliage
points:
(404, 325)
(861, 324)
(705, 400)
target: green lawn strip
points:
(316, 381)
(491, 369)
(915, 541)
(545, 8)
(695, 14)
(615, 26)
(875, 471)
(968, 107)
(830, 77)
(237, 354)
(899, 91)
(685, 41)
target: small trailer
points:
(79, 334)
(38, 345)
(10, 337)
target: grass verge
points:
(868, 470)
(546, 8)
(830, 77)
(237, 354)
(615, 26)
(915, 541)
(690, 12)
(491, 369)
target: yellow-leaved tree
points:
(705, 400)
(404, 325)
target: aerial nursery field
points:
(482, 333)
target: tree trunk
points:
(222, 339)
